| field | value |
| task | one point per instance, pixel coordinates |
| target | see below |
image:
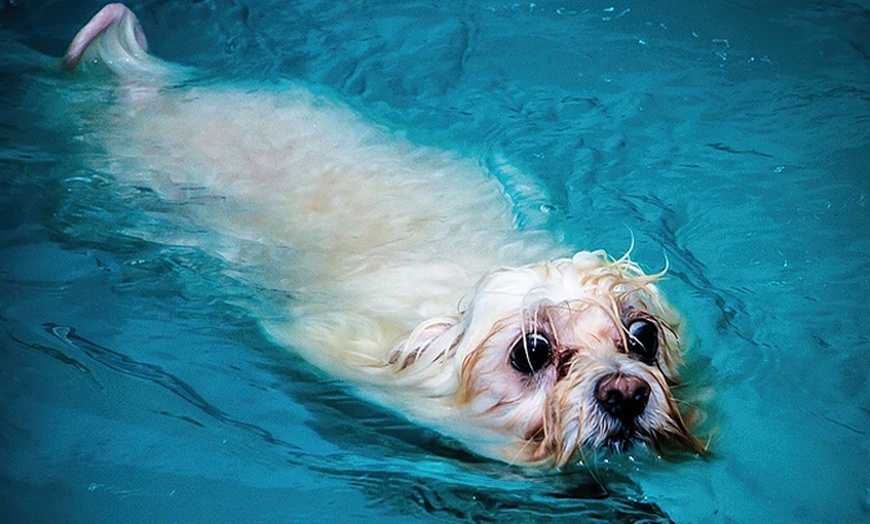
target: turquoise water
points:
(732, 138)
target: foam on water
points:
(730, 138)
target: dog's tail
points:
(114, 40)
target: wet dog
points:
(408, 275)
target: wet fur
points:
(409, 277)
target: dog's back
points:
(380, 234)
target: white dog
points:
(409, 277)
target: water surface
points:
(730, 138)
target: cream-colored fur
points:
(409, 277)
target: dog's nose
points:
(622, 396)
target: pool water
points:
(730, 139)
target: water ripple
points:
(155, 374)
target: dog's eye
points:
(643, 340)
(530, 353)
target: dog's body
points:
(395, 256)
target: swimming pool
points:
(730, 138)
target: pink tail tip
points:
(109, 15)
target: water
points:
(732, 138)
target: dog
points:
(404, 270)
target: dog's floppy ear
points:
(429, 342)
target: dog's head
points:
(559, 358)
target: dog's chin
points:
(612, 438)
(659, 432)
(628, 437)
(622, 439)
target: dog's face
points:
(565, 357)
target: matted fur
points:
(409, 278)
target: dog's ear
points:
(430, 341)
